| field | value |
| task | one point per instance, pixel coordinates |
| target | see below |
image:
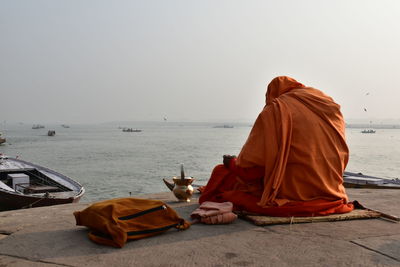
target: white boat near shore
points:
(24, 185)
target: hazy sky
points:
(97, 61)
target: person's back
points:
(298, 141)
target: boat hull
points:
(359, 180)
(10, 201)
(371, 186)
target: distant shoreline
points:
(216, 124)
(375, 126)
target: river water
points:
(111, 163)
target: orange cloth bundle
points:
(214, 213)
(113, 222)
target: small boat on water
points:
(131, 130)
(359, 180)
(368, 131)
(51, 133)
(25, 185)
(37, 126)
(64, 125)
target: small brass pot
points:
(183, 189)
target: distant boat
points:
(65, 126)
(51, 133)
(224, 126)
(24, 185)
(131, 130)
(368, 131)
(359, 180)
(37, 126)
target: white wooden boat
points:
(24, 185)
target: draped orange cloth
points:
(299, 141)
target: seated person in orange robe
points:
(293, 161)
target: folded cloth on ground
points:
(214, 213)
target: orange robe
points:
(298, 139)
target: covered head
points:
(279, 86)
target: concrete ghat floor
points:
(48, 236)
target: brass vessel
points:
(181, 186)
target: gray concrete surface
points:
(48, 236)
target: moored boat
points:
(359, 180)
(25, 185)
(2, 139)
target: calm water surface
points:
(110, 163)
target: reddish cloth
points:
(252, 174)
(224, 180)
(214, 213)
(225, 185)
(298, 140)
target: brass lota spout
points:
(169, 184)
